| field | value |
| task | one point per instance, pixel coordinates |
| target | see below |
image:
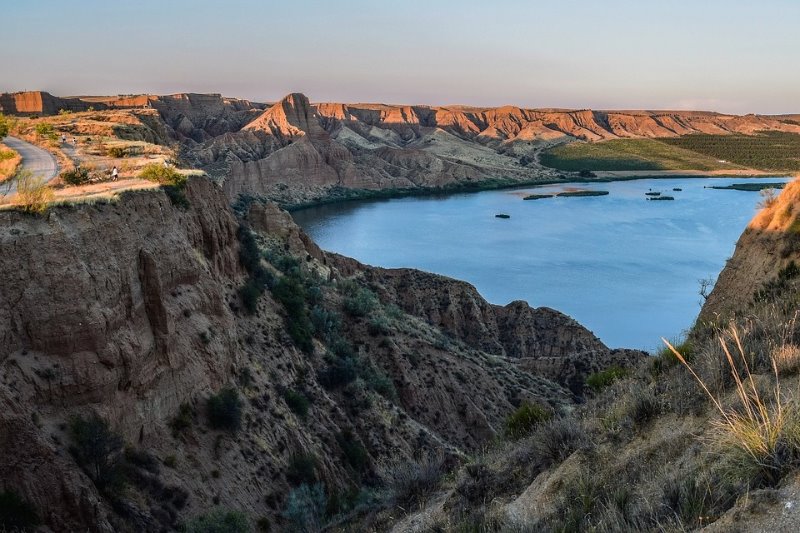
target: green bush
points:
(183, 420)
(290, 292)
(600, 380)
(97, 450)
(5, 125)
(339, 373)
(525, 419)
(249, 294)
(297, 402)
(305, 508)
(219, 521)
(163, 175)
(16, 514)
(354, 452)
(326, 323)
(45, 129)
(302, 469)
(225, 410)
(361, 303)
(76, 176)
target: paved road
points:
(39, 161)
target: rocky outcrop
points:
(541, 340)
(41, 103)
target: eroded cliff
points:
(136, 312)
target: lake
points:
(626, 268)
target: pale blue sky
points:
(733, 56)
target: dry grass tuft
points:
(761, 433)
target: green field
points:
(774, 150)
(765, 151)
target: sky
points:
(731, 56)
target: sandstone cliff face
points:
(296, 152)
(130, 310)
(769, 243)
(92, 311)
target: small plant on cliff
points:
(305, 508)
(297, 402)
(219, 521)
(302, 469)
(361, 302)
(16, 514)
(410, 483)
(98, 451)
(290, 292)
(600, 380)
(225, 410)
(525, 419)
(354, 452)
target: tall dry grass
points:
(759, 434)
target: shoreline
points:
(354, 195)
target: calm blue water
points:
(626, 268)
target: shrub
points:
(163, 175)
(339, 373)
(557, 439)
(326, 323)
(225, 410)
(117, 151)
(249, 294)
(290, 292)
(219, 521)
(354, 452)
(5, 125)
(525, 419)
(302, 469)
(305, 508)
(76, 176)
(585, 173)
(34, 194)
(16, 514)
(600, 380)
(45, 129)
(97, 450)
(378, 325)
(412, 482)
(183, 420)
(361, 303)
(297, 402)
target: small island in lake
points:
(661, 198)
(749, 186)
(537, 196)
(581, 193)
(502, 215)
